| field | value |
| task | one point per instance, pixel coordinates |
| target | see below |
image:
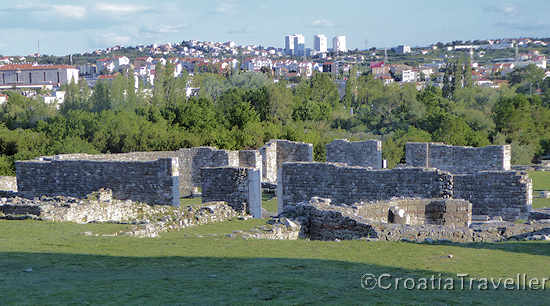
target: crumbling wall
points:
(237, 186)
(251, 159)
(152, 182)
(359, 153)
(276, 152)
(457, 159)
(8, 183)
(301, 181)
(183, 155)
(496, 193)
(448, 212)
(190, 161)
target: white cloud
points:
(71, 11)
(123, 9)
(163, 28)
(321, 23)
(109, 39)
(225, 6)
(506, 9)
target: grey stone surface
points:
(359, 153)
(457, 159)
(153, 182)
(276, 152)
(98, 207)
(8, 183)
(237, 186)
(301, 181)
(494, 193)
(320, 220)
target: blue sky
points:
(65, 27)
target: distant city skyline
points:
(65, 27)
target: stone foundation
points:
(319, 220)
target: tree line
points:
(244, 110)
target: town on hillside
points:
(490, 62)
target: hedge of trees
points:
(244, 110)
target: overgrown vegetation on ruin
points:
(244, 110)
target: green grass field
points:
(202, 265)
(541, 180)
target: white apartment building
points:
(403, 49)
(295, 45)
(320, 43)
(408, 76)
(29, 75)
(339, 44)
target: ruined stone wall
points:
(301, 181)
(152, 182)
(496, 193)
(237, 186)
(456, 159)
(276, 152)
(359, 153)
(319, 220)
(420, 211)
(190, 161)
(250, 159)
(8, 183)
(183, 155)
(201, 157)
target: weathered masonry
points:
(348, 185)
(494, 193)
(152, 182)
(190, 161)
(456, 159)
(276, 152)
(359, 153)
(239, 187)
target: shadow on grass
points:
(531, 248)
(98, 279)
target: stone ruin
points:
(359, 153)
(441, 186)
(277, 152)
(457, 159)
(239, 187)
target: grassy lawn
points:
(201, 265)
(196, 202)
(541, 180)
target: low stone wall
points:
(153, 182)
(359, 153)
(145, 220)
(348, 185)
(239, 187)
(319, 220)
(496, 193)
(457, 159)
(8, 183)
(276, 152)
(450, 212)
